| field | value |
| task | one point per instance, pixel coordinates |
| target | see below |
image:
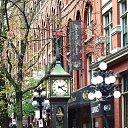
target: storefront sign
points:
(79, 98)
(96, 109)
(99, 108)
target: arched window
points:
(89, 26)
(78, 16)
(59, 8)
(89, 15)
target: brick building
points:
(104, 27)
(104, 38)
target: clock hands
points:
(61, 87)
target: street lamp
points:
(43, 104)
(102, 88)
(103, 84)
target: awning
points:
(79, 98)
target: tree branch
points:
(42, 80)
(31, 88)
(33, 12)
(8, 75)
(6, 13)
(42, 49)
(8, 59)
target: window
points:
(89, 16)
(124, 6)
(124, 23)
(107, 30)
(89, 62)
(125, 101)
(90, 30)
(125, 34)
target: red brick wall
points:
(116, 38)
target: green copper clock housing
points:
(59, 82)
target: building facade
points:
(104, 38)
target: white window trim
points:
(88, 73)
(121, 16)
(108, 7)
(90, 14)
(123, 102)
(89, 21)
(106, 26)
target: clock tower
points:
(58, 92)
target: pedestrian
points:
(10, 125)
(30, 125)
(26, 126)
(14, 126)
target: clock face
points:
(60, 87)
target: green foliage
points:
(2, 105)
(28, 108)
(27, 97)
(30, 81)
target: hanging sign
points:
(100, 108)
(76, 44)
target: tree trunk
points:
(19, 110)
(5, 121)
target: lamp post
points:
(43, 104)
(103, 84)
(102, 89)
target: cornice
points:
(106, 4)
(112, 58)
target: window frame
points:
(89, 21)
(124, 101)
(107, 30)
(124, 16)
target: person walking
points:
(30, 125)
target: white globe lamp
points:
(98, 94)
(99, 79)
(112, 79)
(107, 80)
(116, 94)
(91, 96)
(94, 80)
(34, 103)
(43, 93)
(35, 94)
(103, 66)
(46, 102)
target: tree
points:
(16, 40)
(4, 119)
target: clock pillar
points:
(58, 93)
(59, 114)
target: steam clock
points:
(58, 92)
